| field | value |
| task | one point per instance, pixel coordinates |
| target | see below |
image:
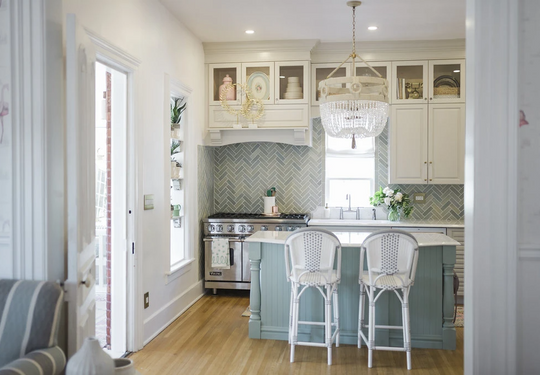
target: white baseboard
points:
(162, 318)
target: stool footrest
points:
(390, 348)
(384, 327)
(389, 327)
(307, 343)
(315, 323)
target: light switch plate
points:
(149, 202)
(419, 198)
(146, 300)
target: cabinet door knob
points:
(425, 162)
(431, 179)
(430, 98)
(425, 179)
(425, 98)
(430, 162)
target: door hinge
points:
(133, 248)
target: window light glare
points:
(457, 71)
(372, 28)
(282, 77)
(250, 32)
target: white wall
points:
(148, 32)
(528, 295)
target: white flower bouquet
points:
(395, 201)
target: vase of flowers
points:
(396, 202)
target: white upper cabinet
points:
(292, 82)
(446, 143)
(446, 81)
(408, 148)
(259, 80)
(219, 75)
(320, 72)
(426, 144)
(410, 80)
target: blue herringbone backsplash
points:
(241, 173)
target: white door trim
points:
(122, 61)
(491, 186)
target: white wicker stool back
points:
(310, 255)
(391, 257)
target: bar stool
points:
(309, 261)
(391, 257)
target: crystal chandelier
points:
(355, 106)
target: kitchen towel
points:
(220, 253)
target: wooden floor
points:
(212, 338)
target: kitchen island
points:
(431, 298)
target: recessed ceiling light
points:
(372, 28)
(457, 71)
(250, 32)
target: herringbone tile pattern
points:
(243, 173)
(235, 177)
(443, 202)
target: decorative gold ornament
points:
(252, 109)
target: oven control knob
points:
(290, 229)
(241, 228)
(250, 228)
(219, 228)
(264, 227)
(278, 228)
(295, 228)
(210, 228)
(230, 228)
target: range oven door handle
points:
(231, 255)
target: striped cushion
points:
(39, 362)
(29, 317)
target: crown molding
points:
(391, 50)
(269, 50)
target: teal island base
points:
(431, 300)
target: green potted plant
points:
(178, 106)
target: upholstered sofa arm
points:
(50, 361)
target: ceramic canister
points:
(231, 94)
(90, 360)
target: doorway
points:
(111, 213)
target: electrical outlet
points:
(146, 300)
(419, 198)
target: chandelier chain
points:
(354, 30)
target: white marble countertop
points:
(353, 239)
(385, 223)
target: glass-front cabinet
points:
(292, 82)
(320, 72)
(259, 80)
(447, 81)
(219, 75)
(410, 82)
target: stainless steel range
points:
(236, 227)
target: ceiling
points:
(325, 20)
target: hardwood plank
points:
(212, 338)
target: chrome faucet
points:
(373, 214)
(341, 211)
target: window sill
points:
(179, 269)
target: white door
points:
(80, 85)
(446, 152)
(408, 144)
